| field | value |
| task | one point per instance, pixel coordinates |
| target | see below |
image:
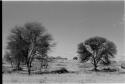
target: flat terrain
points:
(62, 78)
(80, 76)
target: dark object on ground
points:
(62, 70)
(123, 66)
(75, 58)
(105, 70)
(109, 70)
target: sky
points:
(69, 23)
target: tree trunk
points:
(12, 65)
(29, 72)
(29, 69)
(95, 67)
(18, 66)
(29, 60)
(95, 63)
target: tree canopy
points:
(25, 42)
(98, 50)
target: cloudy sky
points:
(69, 22)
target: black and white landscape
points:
(63, 42)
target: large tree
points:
(26, 41)
(98, 50)
(16, 47)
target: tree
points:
(26, 41)
(98, 50)
(16, 46)
(39, 41)
(109, 52)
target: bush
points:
(123, 66)
(60, 71)
(109, 70)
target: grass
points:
(94, 77)
(80, 75)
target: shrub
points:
(60, 71)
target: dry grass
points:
(81, 76)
